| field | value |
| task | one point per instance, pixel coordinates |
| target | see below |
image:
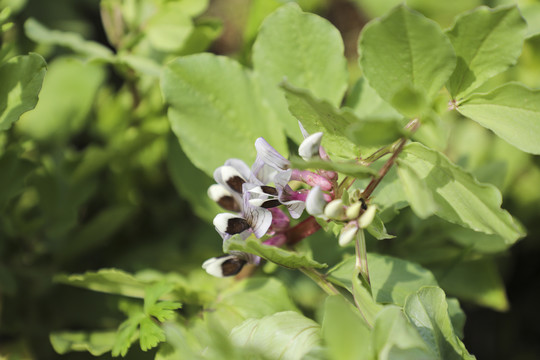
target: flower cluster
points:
(254, 198)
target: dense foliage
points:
(364, 182)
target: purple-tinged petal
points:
(309, 148)
(277, 240)
(258, 218)
(296, 208)
(229, 177)
(262, 173)
(311, 179)
(303, 130)
(271, 156)
(240, 166)
(280, 221)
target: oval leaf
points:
(217, 110)
(405, 50)
(511, 111)
(286, 335)
(305, 49)
(459, 197)
(487, 41)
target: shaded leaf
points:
(427, 310)
(394, 337)
(344, 331)
(96, 343)
(416, 190)
(351, 168)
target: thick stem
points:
(361, 255)
(302, 230)
(320, 280)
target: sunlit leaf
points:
(284, 335)
(405, 50)
(487, 41)
(286, 258)
(459, 197)
(22, 77)
(303, 48)
(218, 110)
(511, 111)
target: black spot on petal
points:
(235, 183)
(236, 226)
(269, 190)
(270, 204)
(229, 203)
(232, 266)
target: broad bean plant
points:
(356, 201)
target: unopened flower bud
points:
(309, 148)
(335, 210)
(353, 211)
(315, 202)
(348, 233)
(367, 217)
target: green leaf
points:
(484, 285)
(22, 77)
(284, 335)
(394, 337)
(191, 183)
(127, 333)
(511, 111)
(405, 50)
(375, 132)
(416, 190)
(66, 98)
(14, 172)
(274, 254)
(250, 298)
(486, 41)
(96, 343)
(378, 230)
(169, 28)
(351, 168)
(367, 306)
(151, 334)
(344, 331)
(365, 102)
(112, 281)
(319, 115)
(160, 310)
(40, 34)
(427, 310)
(392, 279)
(303, 48)
(457, 316)
(218, 109)
(460, 198)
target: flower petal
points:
(315, 201)
(222, 266)
(309, 148)
(271, 156)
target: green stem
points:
(320, 280)
(361, 255)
